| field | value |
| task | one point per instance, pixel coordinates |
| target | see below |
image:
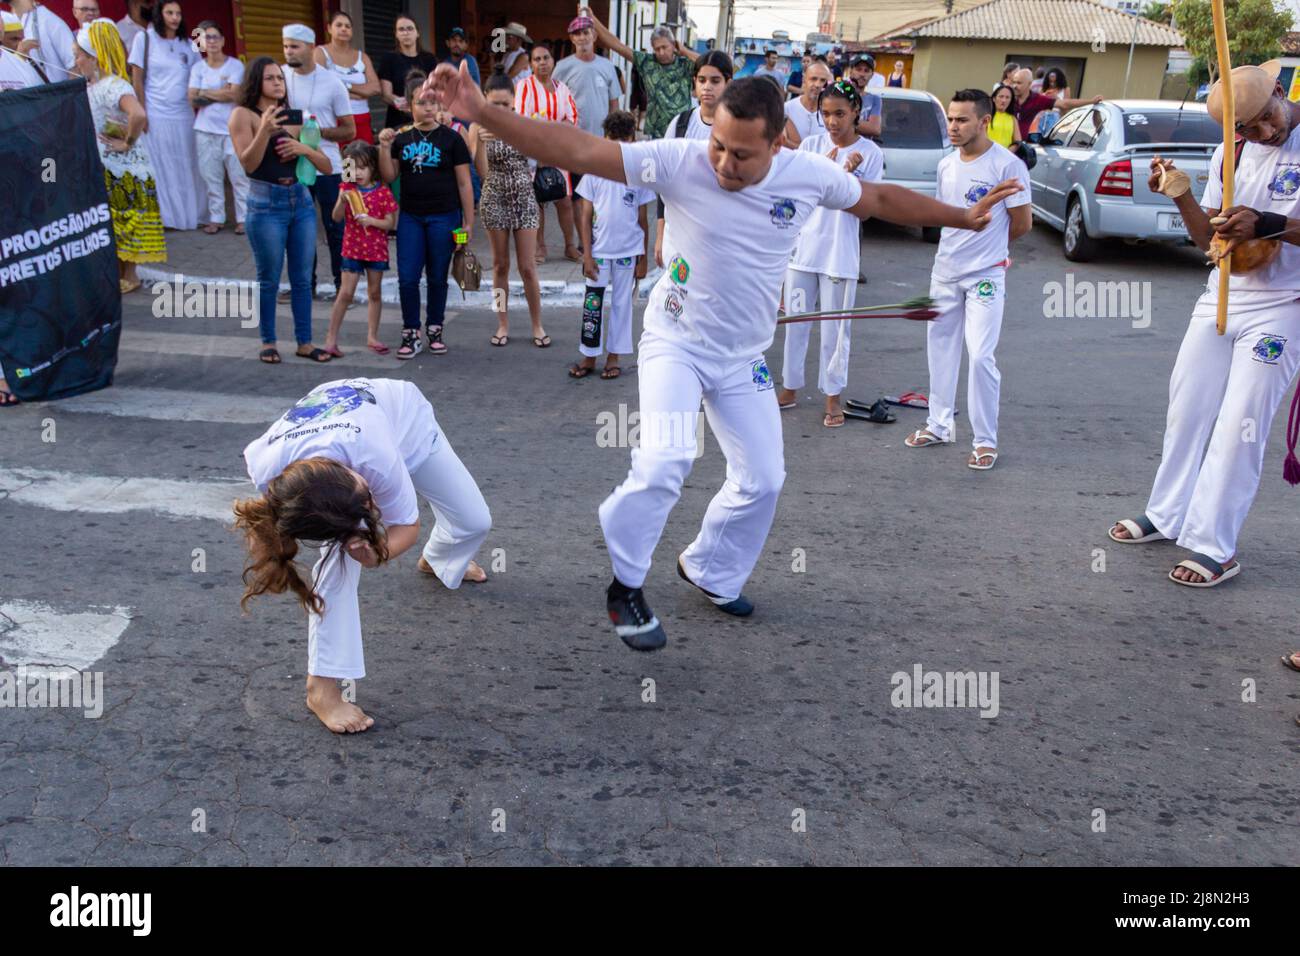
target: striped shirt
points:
(533, 100)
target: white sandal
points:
(980, 456)
(1139, 530)
(923, 438)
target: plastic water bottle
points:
(308, 136)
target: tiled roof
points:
(1048, 21)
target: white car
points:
(913, 137)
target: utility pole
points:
(1132, 43)
(723, 41)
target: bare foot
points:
(325, 700)
(473, 574)
(1119, 531)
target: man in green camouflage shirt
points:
(666, 73)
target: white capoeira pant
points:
(814, 292)
(970, 310)
(217, 160)
(614, 286)
(461, 524)
(1225, 389)
(740, 406)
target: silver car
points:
(1090, 180)
(913, 137)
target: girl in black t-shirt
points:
(431, 164)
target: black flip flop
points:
(8, 399)
(269, 355)
(542, 341)
(580, 371)
(315, 355)
(500, 341)
(878, 413)
(611, 368)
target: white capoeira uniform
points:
(617, 239)
(968, 285)
(709, 319)
(1225, 389)
(823, 275)
(384, 430)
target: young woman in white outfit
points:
(823, 273)
(345, 468)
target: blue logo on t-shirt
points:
(977, 192)
(1286, 181)
(422, 156)
(782, 212)
(329, 403)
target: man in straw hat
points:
(735, 206)
(1226, 388)
(515, 60)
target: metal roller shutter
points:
(262, 21)
(379, 17)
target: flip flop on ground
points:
(270, 355)
(878, 413)
(315, 355)
(1139, 529)
(976, 460)
(578, 370)
(923, 438)
(1212, 573)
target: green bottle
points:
(308, 136)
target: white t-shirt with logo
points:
(727, 251)
(829, 241)
(322, 94)
(1268, 179)
(616, 229)
(381, 428)
(216, 117)
(806, 122)
(963, 251)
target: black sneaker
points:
(740, 607)
(632, 619)
(411, 345)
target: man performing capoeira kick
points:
(1223, 385)
(734, 207)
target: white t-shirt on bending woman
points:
(383, 429)
(829, 242)
(727, 251)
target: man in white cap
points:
(591, 79)
(15, 72)
(735, 206)
(1225, 389)
(320, 93)
(47, 38)
(515, 60)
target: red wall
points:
(195, 12)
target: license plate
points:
(1170, 222)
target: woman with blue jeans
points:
(431, 161)
(281, 216)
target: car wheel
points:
(1077, 244)
(931, 233)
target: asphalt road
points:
(513, 727)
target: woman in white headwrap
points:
(128, 173)
(161, 58)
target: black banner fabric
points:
(60, 307)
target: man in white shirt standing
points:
(133, 23)
(15, 72)
(968, 282)
(317, 91)
(735, 206)
(49, 38)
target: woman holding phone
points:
(281, 215)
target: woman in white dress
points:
(161, 59)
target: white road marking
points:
(46, 641)
(173, 405)
(95, 494)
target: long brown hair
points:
(314, 500)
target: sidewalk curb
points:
(554, 292)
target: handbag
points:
(466, 270)
(549, 184)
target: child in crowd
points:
(615, 256)
(365, 240)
